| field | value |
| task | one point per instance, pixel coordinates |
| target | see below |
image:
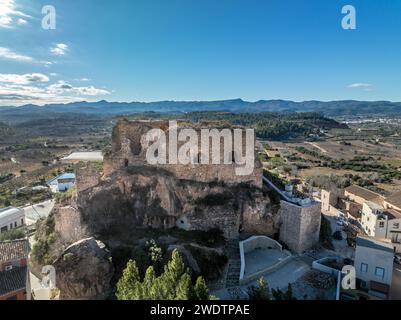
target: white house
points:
(371, 212)
(374, 265)
(11, 218)
(62, 183)
(382, 223)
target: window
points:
(22, 221)
(15, 224)
(379, 272)
(381, 224)
(4, 229)
(364, 267)
(11, 225)
(396, 225)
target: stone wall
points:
(257, 242)
(87, 177)
(129, 148)
(300, 226)
(68, 225)
(329, 199)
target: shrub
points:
(259, 292)
(12, 235)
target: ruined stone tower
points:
(133, 193)
(300, 225)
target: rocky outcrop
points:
(84, 271)
(155, 198)
(133, 196)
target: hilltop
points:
(109, 109)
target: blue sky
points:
(150, 50)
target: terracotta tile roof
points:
(363, 193)
(14, 250)
(13, 280)
(395, 199)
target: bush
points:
(64, 196)
(259, 292)
(210, 263)
(13, 234)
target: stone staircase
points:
(234, 264)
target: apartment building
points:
(382, 223)
(374, 265)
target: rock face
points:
(141, 196)
(133, 194)
(84, 271)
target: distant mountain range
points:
(109, 109)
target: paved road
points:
(37, 211)
(396, 285)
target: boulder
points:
(84, 271)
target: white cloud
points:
(21, 21)
(8, 54)
(8, 11)
(23, 78)
(62, 87)
(17, 95)
(91, 91)
(5, 22)
(60, 49)
(20, 89)
(364, 86)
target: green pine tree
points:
(148, 284)
(173, 284)
(184, 288)
(261, 291)
(173, 271)
(128, 287)
(201, 291)
(289, 294)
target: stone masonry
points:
(300, 225)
